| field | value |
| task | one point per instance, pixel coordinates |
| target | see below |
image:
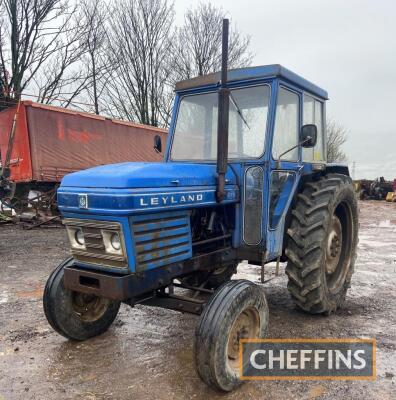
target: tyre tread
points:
(304, 243)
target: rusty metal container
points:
(51, 142)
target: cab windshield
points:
(195, 136)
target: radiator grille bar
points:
(161, 239)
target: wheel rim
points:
(88, 307)
(246, 326)
(338, 247)
(334, 245)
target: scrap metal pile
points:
(378, 189)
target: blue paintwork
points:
(274, 241)
(145, 175)
(282, 202)
(133, 192)
(270, 72)
(133, 201)
(161, 239)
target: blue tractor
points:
(244, 177)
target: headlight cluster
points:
(97, 242)
(111, 240)
(115, 241)
(76, 237)
(79, 236)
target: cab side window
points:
(313, 114)
(286, 125)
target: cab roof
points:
(253, 73)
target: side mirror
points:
(308, 135)
(158, 144)
(308, 138)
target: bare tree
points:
(38, 44)
(140, 44)
(63, 78)
(126, 65)
(197, 50)
(96, 62)
(336, 137)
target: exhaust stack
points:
(222, 125)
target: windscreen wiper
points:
(239, 110)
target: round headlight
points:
(115, 241)
(79, 236)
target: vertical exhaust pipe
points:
(222, 124)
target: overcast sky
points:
(348, 48)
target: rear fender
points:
(337, 168)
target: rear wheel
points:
(321, 244)
(236, 311)
(76, 315)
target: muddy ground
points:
(147, 353)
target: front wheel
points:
(75, 315)
(238, 310)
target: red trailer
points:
(51, 142)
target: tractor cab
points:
(270, 111)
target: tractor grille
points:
(161, 239)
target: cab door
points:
(284, 167)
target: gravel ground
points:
(147, 353)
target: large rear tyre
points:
(76, 315)
(236, 311)
(321, 244)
